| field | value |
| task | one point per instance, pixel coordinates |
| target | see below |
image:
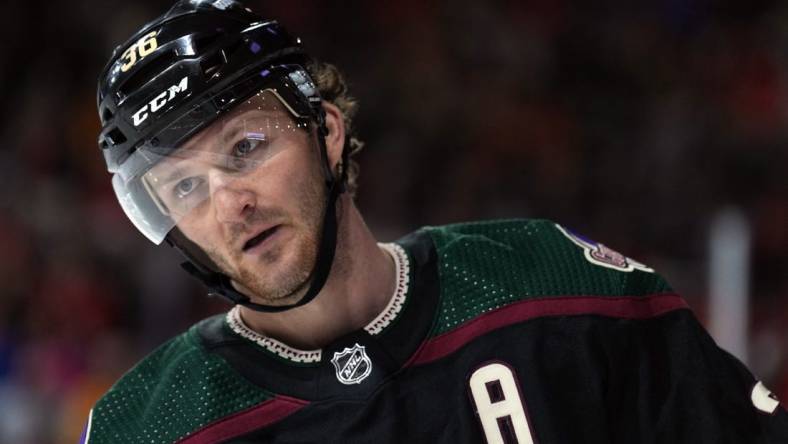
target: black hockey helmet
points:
(173, 78)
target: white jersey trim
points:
(397, 301)
(276, 347)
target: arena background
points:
(635, 123)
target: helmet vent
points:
(213, 64)
(106, 115)
(116, 136)
(147, 73)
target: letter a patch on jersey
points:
(599, 254)
(499, 404)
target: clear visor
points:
(158, 186)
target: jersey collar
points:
(375, 327)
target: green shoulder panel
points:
(486, 265)
(174, 391)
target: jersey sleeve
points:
(668, 382)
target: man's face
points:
(248, 191)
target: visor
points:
(159, 185)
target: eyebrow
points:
(238, 125)
(230, 136)
(176, 170)
(178, 173)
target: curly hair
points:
(333, 88)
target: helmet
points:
(177, 75)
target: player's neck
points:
(360, 284)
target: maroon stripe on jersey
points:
(246, 421)
(617, 307)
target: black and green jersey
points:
(503, 332)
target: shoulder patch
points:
(600, 254)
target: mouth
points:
(259, 238)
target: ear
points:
(335, 139)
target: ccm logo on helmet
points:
(160, 100)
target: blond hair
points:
(333, 88)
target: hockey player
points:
(226, 141)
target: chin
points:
(280, 274)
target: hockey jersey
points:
(515, 331)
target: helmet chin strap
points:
(221, 285)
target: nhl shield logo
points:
(352, 365)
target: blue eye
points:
(246, 149)
(186, 186)
(245, 146)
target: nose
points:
(232, 201)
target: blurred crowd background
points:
(634, 123)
